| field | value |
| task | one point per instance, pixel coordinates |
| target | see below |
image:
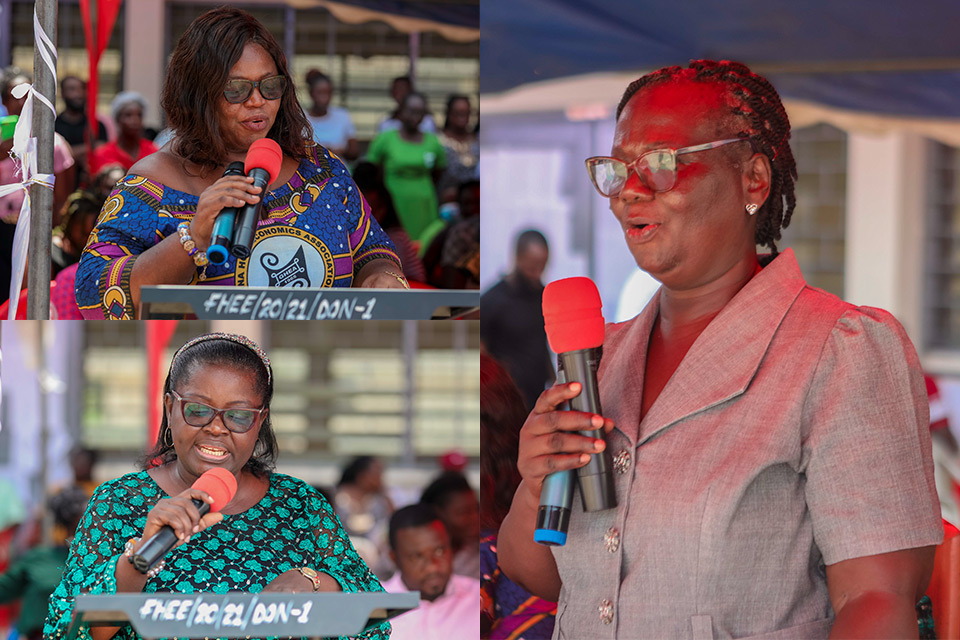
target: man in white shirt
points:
(449, 604)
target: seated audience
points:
(420, 547)
(456, 504)
(128, 109)
(37, 573)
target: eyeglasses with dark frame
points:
(198, 414)
(657, 169)
(239, 90)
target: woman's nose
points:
(216, 425)
(256, 98)
(634, 189)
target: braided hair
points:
(764, 120)
(222, 352)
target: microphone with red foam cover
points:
(263, 163)
(574, 324)
(220, 484)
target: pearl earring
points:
(752, 208)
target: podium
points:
(271, 303)
(239, 614)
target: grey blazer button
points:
(606, 611)
(621, 461)
(611, 540)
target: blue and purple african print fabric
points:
(317, 231)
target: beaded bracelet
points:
(400, 278)
(199, 257)
(128, 554)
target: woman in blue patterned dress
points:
(276, 534)
(227, 85)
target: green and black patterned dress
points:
(292, 526)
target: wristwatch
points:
(312, 576)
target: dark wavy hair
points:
(762, 118)
(219, 352)
(199, 69)
(67, 507)
(502, 413)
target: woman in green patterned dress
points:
(276, 534)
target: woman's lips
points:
(212, 453)
(256, 124)
(642, 233)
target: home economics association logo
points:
(283, 256)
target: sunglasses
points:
(238, 90)
(197, 414)
(657, 169)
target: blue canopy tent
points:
(897, 58)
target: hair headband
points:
(232, 337)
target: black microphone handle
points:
(596, 478)
(223, 224)
(161, 543)
(248, 216)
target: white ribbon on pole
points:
(25, 160)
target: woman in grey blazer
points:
(770, 442)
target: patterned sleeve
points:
(130, 223)
(93, 558)
(368, 241)
(337, 557)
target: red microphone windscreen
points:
(220, 484)
(571, 315)
(264, 154)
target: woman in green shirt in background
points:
(412, 162)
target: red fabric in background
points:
(106, 17)
(159, 333)
(949, 530)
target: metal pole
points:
(290, 35)
(458, 419)
(41, 347)
(409, 350)
(41, 198)
(6, 17)
(414, 41)
(332, 46)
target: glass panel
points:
(816, 231)
(371, 385)
(942, 299)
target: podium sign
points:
(240, 614)
(271, 303)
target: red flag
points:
(159, 333)
(106, 17)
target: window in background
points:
(404, 391)
(942, 291)
(817, 228)
(71, 48)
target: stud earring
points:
(752, 208)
